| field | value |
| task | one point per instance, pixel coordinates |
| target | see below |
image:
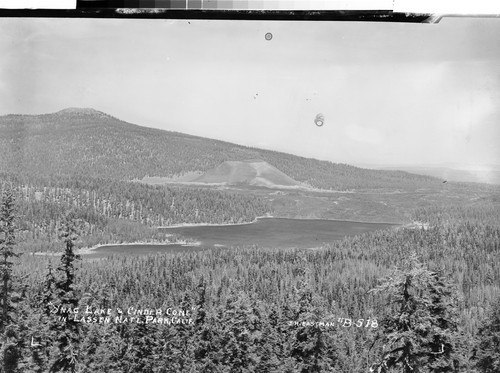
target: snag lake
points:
(265, 233)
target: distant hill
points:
(486, 174)
(91, 143)
(251, 172)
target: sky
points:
(390, 93)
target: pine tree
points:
(239, 333)
(421, 333)
(9, 298)
(36, 327)
(185, 332)
(487, 351)
(66, 328)
(205, 337)
(309, 346)
(141, 348)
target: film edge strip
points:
(453, 7)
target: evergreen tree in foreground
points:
(65, 328)
(9, 298)
(420, 334)
(41, 334)
(312, 348)
(206, 347)
(487, 352)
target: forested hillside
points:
(283, 310)
(116, 211)
(91, 143)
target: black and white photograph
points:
(228, 195)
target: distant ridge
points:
(80, 111)
(66, 111)
(254, 172)
(90, 143)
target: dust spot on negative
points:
(319, 120)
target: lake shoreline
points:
(187, 225)
(92, 249)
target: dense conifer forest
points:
(414, 298)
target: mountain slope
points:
(88, 142)
(489, 174)
(252, 172)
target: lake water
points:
(265, 233)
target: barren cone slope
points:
(252, 172)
